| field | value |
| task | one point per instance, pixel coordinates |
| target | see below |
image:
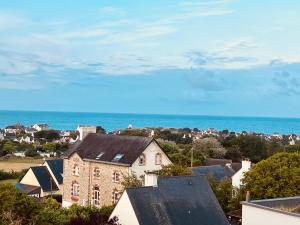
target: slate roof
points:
(57, 167)
(218, 172)
(213, 162)
(177, 201)
(44, 178)
(109, 146)
(28, 189)
(236, 166)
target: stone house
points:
(94, 167)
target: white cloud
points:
(11, 20)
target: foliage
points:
(132, 181)
(277, 176)
(9, 148)
(18, 208)
(31, 153)
(48, 135)
(135, 132)
(100, 130)
(210, 148)
(11, 175)
(174, 170)
(228, 197)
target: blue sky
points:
(206, 57)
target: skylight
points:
(100, 155)
(118, 157)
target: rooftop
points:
(290, 206)
(184, 200)
(110, 148)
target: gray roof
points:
(186, 200)
(103, 147)
(28, 189)
(44, 178)
(290, 205)
(57, 166)
(217, 171)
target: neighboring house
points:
(26, 139)
(222, 168)
(185, 200)
(40, 127)
(94, 167)
(1, 135)
(19, 154)
(40, 181)
(278, 211)
(217, 171)
(16, 128)
(239, 175)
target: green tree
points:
(277, 176)
(49, 147)
(9, 148)
(174, 170)
(209, 147)
(132, 181)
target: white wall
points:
(257, 216)
(150, 153)
(238, 176)
(124, 211)
(85, 130)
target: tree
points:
(277, 176)
(31, 153)
(209, 147)
(9, 148)
(49, 147)
(132, 181)
(174, 170)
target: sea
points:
(114, 121)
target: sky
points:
(199, 57)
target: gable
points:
(30, 179)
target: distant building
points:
(85, 130)
(40, 127)
(40, 181)
(186, 200)
(222, 168)
(16, 128)
(94, 167)
(278, 211)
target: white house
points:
(239, 175)
(40, 127)
(84, 130)
(40, 181)
(182, 200)
(279, 211)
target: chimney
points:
(151, 179)
(246, 165)
(85, 130)
(248, 196)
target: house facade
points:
(94, 168)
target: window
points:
(100, 155)
(158, 159)
(117, 157)
(142, 160)
(117, 177)
(76, 170)
(75, 190)
(115, 196)
(97, 173)
(96, 196)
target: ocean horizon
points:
(113, 121)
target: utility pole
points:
(192, 156)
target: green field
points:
(17, 163)
(10, 181)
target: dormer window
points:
(158, 159)
(100, 155)
(76, 170)
(117, 157)
(142, 160)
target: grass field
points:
(10, 181)
(18, 164)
